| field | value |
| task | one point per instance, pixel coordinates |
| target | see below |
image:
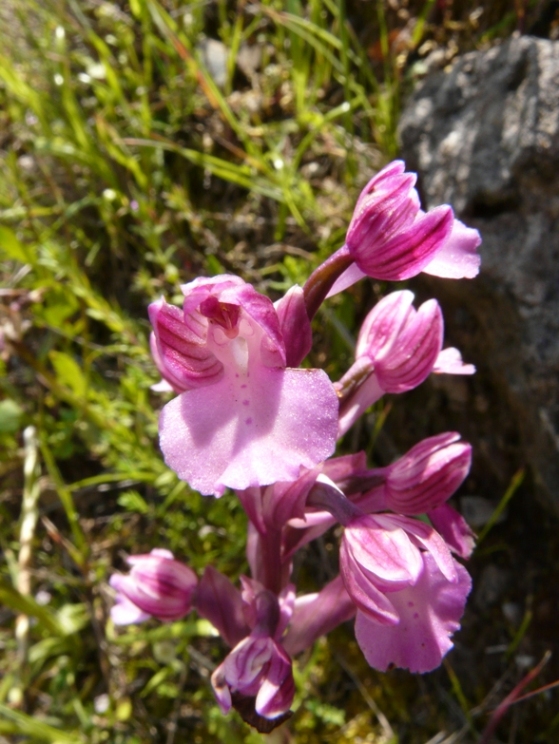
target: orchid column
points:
(248, 419)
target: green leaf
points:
(17, 602)
(72, 618)
(47, 648)
(133, 502)
(12, 247)
(10, 416)
(37, 729)
(69, 372)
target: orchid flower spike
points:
(242, 418)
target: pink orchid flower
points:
(242, 417)
(428, 613)
(409, 591)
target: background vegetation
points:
(142, 143)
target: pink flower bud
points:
(157, 586)
(401, 342)
(391, 238)
(427, 475)
(387, 204)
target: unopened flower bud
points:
(427, 475)
(391, 238)
(157, 586)
(401, 342)
(396, 350)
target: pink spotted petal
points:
(226, 436)
(429, 613)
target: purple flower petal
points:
(315, 615)
(429, 613)
(454, 529)
(220, 602)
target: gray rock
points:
(477, 511)
(484, 137)
(491, 586)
